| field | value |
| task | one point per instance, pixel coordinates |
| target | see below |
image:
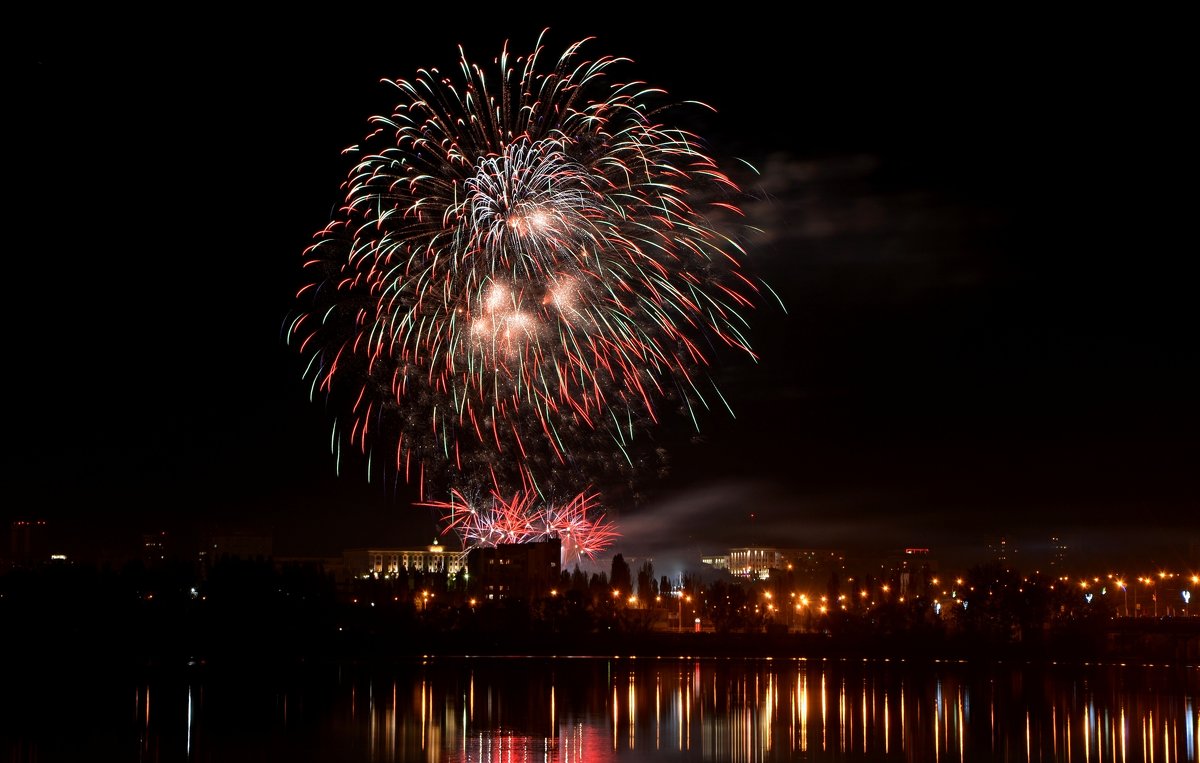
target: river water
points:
(595, 709)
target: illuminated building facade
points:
(382, 562)
(759, 562)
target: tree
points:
(598, 588)
(647, 586)
(992, 603)
(620, 577)
(579, 580)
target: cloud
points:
(863, 228)
(710, 518)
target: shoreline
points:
(1176, 644)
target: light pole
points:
(1124, 591)
(679, 617)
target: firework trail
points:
(526, 274)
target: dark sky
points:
(974, 225)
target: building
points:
(758, 562)
(1003, 552)
(241, 545)
(515, 570)
(155, 548)
(29, 542)
(1058, 555)
(384, 562)
(912, 570)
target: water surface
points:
(607, 709)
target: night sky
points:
(974, 224)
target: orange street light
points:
(679, 617)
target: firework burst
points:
(525, 275)
(523, 518)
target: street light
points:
(1124, 591)
(801, 606)
(679, 617)
(1153, 593)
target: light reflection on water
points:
(571, 710)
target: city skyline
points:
(986, 330)
(34, 543)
